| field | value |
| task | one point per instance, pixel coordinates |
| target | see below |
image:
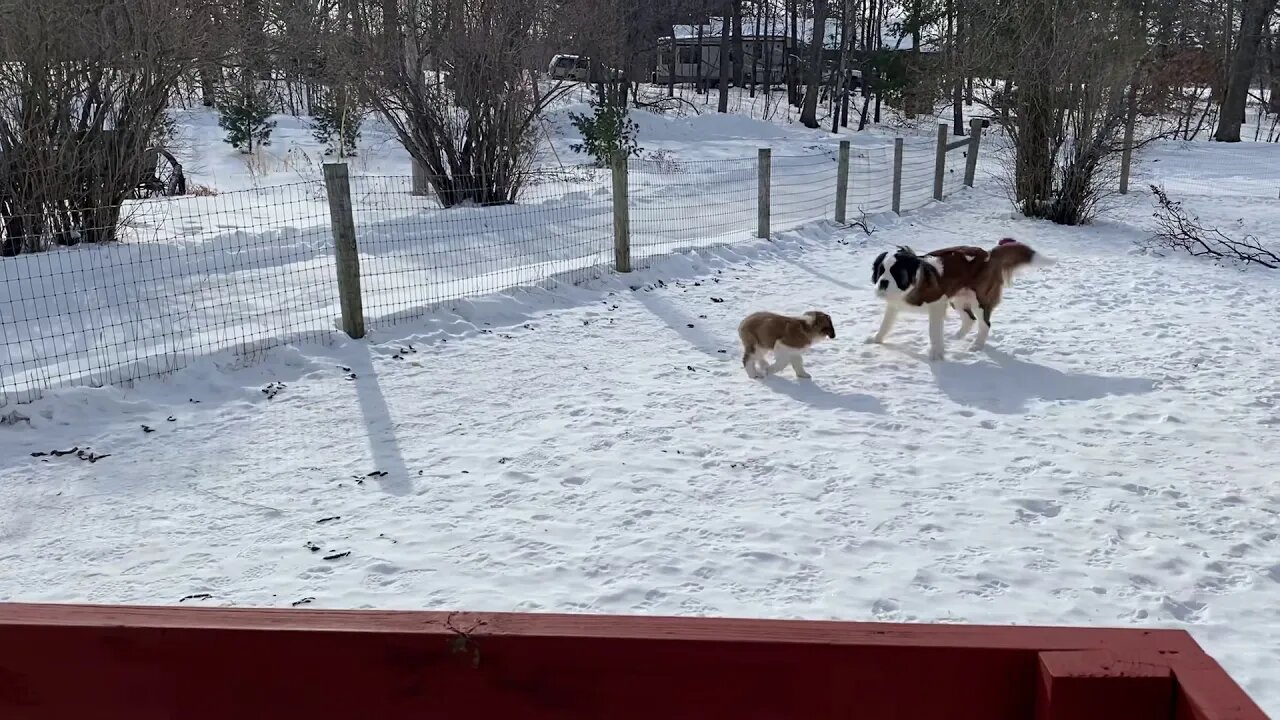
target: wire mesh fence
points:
(677, 205)
(415, 255)
(1211, 170)
(189, 278)
(184, 279)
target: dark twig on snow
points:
(1178, 229)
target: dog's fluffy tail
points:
(1009, 256)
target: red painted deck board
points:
(61, 662)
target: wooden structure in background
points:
(98, 663)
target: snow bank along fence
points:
(64, 662)
(249, 270)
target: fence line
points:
(245, 271)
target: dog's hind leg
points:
(966, 321)
(937, 317)
(984, 328)
(754, 362)
(886, 324)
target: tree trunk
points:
(701, 82)
(724, 57)
(739, 62)
(957, 80)
(841, 98)
(1243, 65)
(809, 113)
(792, 71)
(768, 51)
(1033, 170)
(758, 48)
(1273, 97)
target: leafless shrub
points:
(83, 95)
(1178, 229)
(458, 82)
(1072, 72)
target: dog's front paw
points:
(937, 355)
(803, 375)
(874, 340)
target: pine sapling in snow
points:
(606, 133)
(246, 116)
(335, 122)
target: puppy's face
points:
(893, 275)
(822, 325)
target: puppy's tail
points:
(1009, 256)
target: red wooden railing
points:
(62, 662)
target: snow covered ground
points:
(1109, 460)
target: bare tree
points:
(1070, 68)
(83, 95)
(809, 113)
(457, 80)
(725, 64)
(1273, 72)
(1243, 66)
(739, 60)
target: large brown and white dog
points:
(966, 278)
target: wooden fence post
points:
(621, 216)
(764, 165)
(338, 185)
(842, 182)
(940, 162)
(971, 162)
(897, 175)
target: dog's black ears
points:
(906, 249)
(875, 266)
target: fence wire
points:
(679, 205)
(415, 254)
(187, 278)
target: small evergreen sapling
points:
(335, 122)
(606, 133)
(246, 116)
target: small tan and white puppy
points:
(787, 337)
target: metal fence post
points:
(338, 185)
(897, 175)
(940, 162)
(621, 215)
(842, 182)
(971, 162)
(764, 164)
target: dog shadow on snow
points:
(1002, 383)
(814, 395)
